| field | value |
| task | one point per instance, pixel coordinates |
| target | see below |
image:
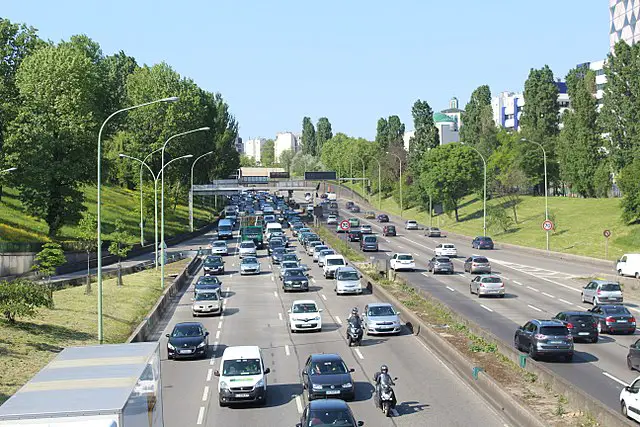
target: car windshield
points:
(481, 260)
(411, 222)
(280, 250)
(294, 272)
(339, 418)
(328, 367)
(307, 307)
(491, 280)
(246, 245)
(219, 244)
(212, 261)
(326, 252)
(319, 248)
(405, 257)
(208, 280)
(207, 296)
(383, 310)
(435, 229)
(554, 330)
(181, 331)
(224, 228)
(616, 310)
(334, 261)
(289, 264)
(249, 260)
(448, 246)
(391, 227)
(348, 275)
(239, 367)
(610, 287)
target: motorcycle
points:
(354, 333)
(386, 398)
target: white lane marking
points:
(280, 316)
(313, 280)
(205, 393)
(220, 324)
(215, 345)
(323, 297)
(537, 276)
(547, 295)
(533, 289)
(228, 288)
(272, 279)
(565, 301)
(451, 289)
(387, 240)
(338, 321)
(460, 274)
(275, 294)
(425, 274)
(486, 308)
(200, 415)
(533, 307)
(212, 361)
(517, 283)
(607, 374)
(286, 350)
(299, 404)
(218, 334)
(505, 277)
(269, 266)
(357, 350)
(209, 374)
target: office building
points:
(253, 148)
(624, 22)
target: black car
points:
(213, 264)
(482, 242)
(389, 230)
(290, 256)
(295, 279)
(349, 205)
(544, 338)
(383, 218)
(582, 325)
(633, 357)
(440, 264)
(277, 254)
(354, 235)
(328, 412)
(355, 209)
(614, 318)
(188, 339)
(327, 376)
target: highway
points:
(537, 287)
(255, 313)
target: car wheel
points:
(221, 403)
(516, 343)
(619, 272)
(478, 293)
(596, 301)
(470, 290)
(532, 351)
(623, 409)
(594, 339)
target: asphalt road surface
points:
(255, 313)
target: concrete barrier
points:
(155, 315)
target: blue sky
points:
(352, 61)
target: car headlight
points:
(317, 387)
(202, 344)
(288, 282)
(223, 385)
(347, 385)
(316, 318)
(260, 383)
(170, 346)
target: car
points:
(389, 230)
(400, 261)
(219, 247)
(439, 264)
(582, 325)
(633, 356)
(188, 340)
(304, 315)
(370, 215)
(487, 284)
(482, 242)
(323, 254)
(326, 375)
(411, 225)
(277, 255)
(544, 338)
(446, 249)
(328, 412)
(383, 218)
(433, 232)
(349, 204)
(207, 301)
(295, 279)
(316, 251)
(629, 402)
(290, 256)
(614, 318)
(354, 222)
(347, 281)
(309, 247)
(249, 265)
(629, 265)
(208, 280)
(354, 235)
(242, 376)
(366, 229)
(355, 209)
(477, 264)
(284, 265)
(295, 228)
(369, 242)
(381, 318)
(602, 292)
(332, 220)
(247, 248)
(275, 242)
(213, 264)
(331, 264)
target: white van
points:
(271, 227)
(629, 265)
(242, 376)
(331, 264)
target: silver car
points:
(411, 225)
(487, 284)
(312, 245)
(287, 264)
(249, 265)
(316, 251)
(247, 248)
(207, 302)
(381, 318)
(602, 292)
(323, 253)
(219, 247)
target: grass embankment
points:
(332, 240)
(30, 344)
(579, 223)
(117, 203)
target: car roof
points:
(325, 356)
(347, 268)
(403, 253)
(242, 352)
(576, 313)
(335, 256)
(485, 275)
(547, 322)
(602, 282)
(380, 304)
(606, 306)
(304, 301)
(328, 404)
(189, 324)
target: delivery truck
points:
(115, 385)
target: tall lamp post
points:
(546, 202)
(142, 164)
(364, 191)
(99, 206)
(401, 204)
(191, 191)
(379, 183)
(484, 199)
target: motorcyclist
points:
(354, 315)
(355, 320)
(383, 377)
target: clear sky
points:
(353, 61)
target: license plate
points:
(333, 391)
(622, 321)
(242, 395)
(185, 351)
(296, 286)
(583, 333)
(556, 342)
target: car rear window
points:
(554, 330)
(448, 246)
(370, 239)
(616, 310)
(444, 260)
(610, 287)
(405, 257)
(481, 260)
(391, 227)
(581, 318)
(491, 280)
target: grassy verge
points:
(339, 245)
(31, 343)
(579, 223)
(118, 203)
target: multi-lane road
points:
(255, 313)
(536, 286)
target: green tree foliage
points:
(286, 157)
(88, 239)
(389, 132)
(247, 162)
(301, 163)
(382, 134)
(49, 258)
(308, 137)
(478, 128)
(497, 219)
(426, 134)
(579, 144)
(629, 182)
(267, 154)
(52, 139)
(22, 298)
(323, 134)
(450, 172)
(120, 245)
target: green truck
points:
(252, 228)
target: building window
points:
(600, 72)
(600, 86)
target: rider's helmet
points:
(384, 369)
(354, 311)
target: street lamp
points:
(8, 170)
(99, 203)
(364, 192)
(191, 191)
(379, 183)
(141, 196)
(401, 205)
(484, 199)
(546, 204)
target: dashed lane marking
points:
(280, 316)
(323, 297)
(299, 404)
(286, 350)
(220, 324)
(565, 301)
(533, 289)
(200, 415)
(313, 280)
(619, 381)
(209, 374)
(218, 334)
(205, 393)
(338, 321)
(548, 295)
(275, 294)
(357, 350)
(451, 289)
(534, 307)
(486, 308)
(517, 283)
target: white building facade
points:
(624, 22)
(285, 141)
(253, 148)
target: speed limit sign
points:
(344, 225)
(547, 225)
(607, 233)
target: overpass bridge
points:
(228, 187)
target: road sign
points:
(547, 225)
(320, 176)
(344, 225)
(607, 233)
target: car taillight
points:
(474, 264)
(502, 285)
(632, 320)
(598, 292)
(481, 284)
(595, 324)
(610, 320)
(569, 325)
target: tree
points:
(426, 134)
(308, 137)
(478, 128)
(285, 159)
(301, 163)
(22, 298)
(450, 172)
(247, 162)
(629, 181)
(395, 131)
(49, 258)
(323, 134)
(52, 139)
(382, 133)
(88, 238)
(120, 245)
(267, 154)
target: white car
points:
(446, 249)
(487, 284)
(219, 247)
(331, 264)
(401, 261)
(366, 229)
(630, 400)
(411, 225)
(332, 220)
(247, 248)
(304, 315)
(323, 254)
